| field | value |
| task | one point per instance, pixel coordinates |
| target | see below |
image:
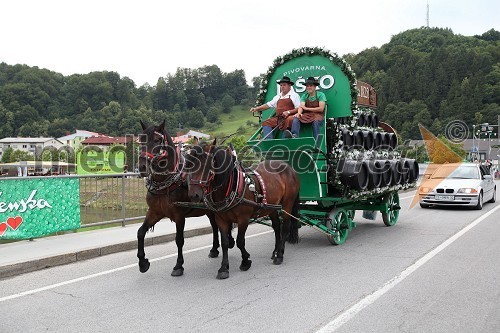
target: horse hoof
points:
(246, 266)
(231, 243)
(222, 275)
(144, 265)
(274, 255)
(277, 261)
(177, 272)
(213, 254)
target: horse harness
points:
(240, 180)
(174, 179)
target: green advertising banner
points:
(37, 207)
(94, 160)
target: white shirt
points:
(291, 94)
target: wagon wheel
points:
(391, 217)
(351, 214)
(338, 219)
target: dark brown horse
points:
(162, 163)
(237, 195)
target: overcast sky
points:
(149, 38)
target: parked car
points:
(458, 184)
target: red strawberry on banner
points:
(3, 227)
(14, 222)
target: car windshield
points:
(454, 172)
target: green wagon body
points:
(323, 205)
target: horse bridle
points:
(163, 153)
(205, 184)
(176, 176)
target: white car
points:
(458, 184)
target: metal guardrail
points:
(112, 199)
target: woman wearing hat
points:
(311, 110)
(286, 103)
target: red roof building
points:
(107, 140)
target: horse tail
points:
(293, 238)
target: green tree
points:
(7, 125)
(437, 127)
(21, 155)
(195, 118)
(7, 155)
(490, 35)
(238, 142)
(213, 115)
(181, 100)
(160, 95)
(201, 103)
(227, 103)
(49, 154)
(60, 127)
(211, 82)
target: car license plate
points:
(445, 197)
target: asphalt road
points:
(436, 270)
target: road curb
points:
(71, 257)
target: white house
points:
(30, 145)
(183, 138)
(74, 140)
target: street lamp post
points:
(488, 130)
(473, 153)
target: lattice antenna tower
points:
(427, 16)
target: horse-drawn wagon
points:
(354, 164)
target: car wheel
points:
(494, 198)
(424, 205)
(479, 205)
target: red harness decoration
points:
(262, 186)
(148, 155)
(239, 182)
(230, 183)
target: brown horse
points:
(237, 195)
(162, 163)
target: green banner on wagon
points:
(31, 208)
(332, 81)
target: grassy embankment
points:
(239, 121)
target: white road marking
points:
(348, 314)
(87, 277)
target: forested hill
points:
(39, 102)
(432, 76)
(422, 75)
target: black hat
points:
(286, 79)
(311, 80)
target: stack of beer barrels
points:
(366, 158)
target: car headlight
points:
(424, 189)
(467, 190)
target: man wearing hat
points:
(311, 110)
(286, 103)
